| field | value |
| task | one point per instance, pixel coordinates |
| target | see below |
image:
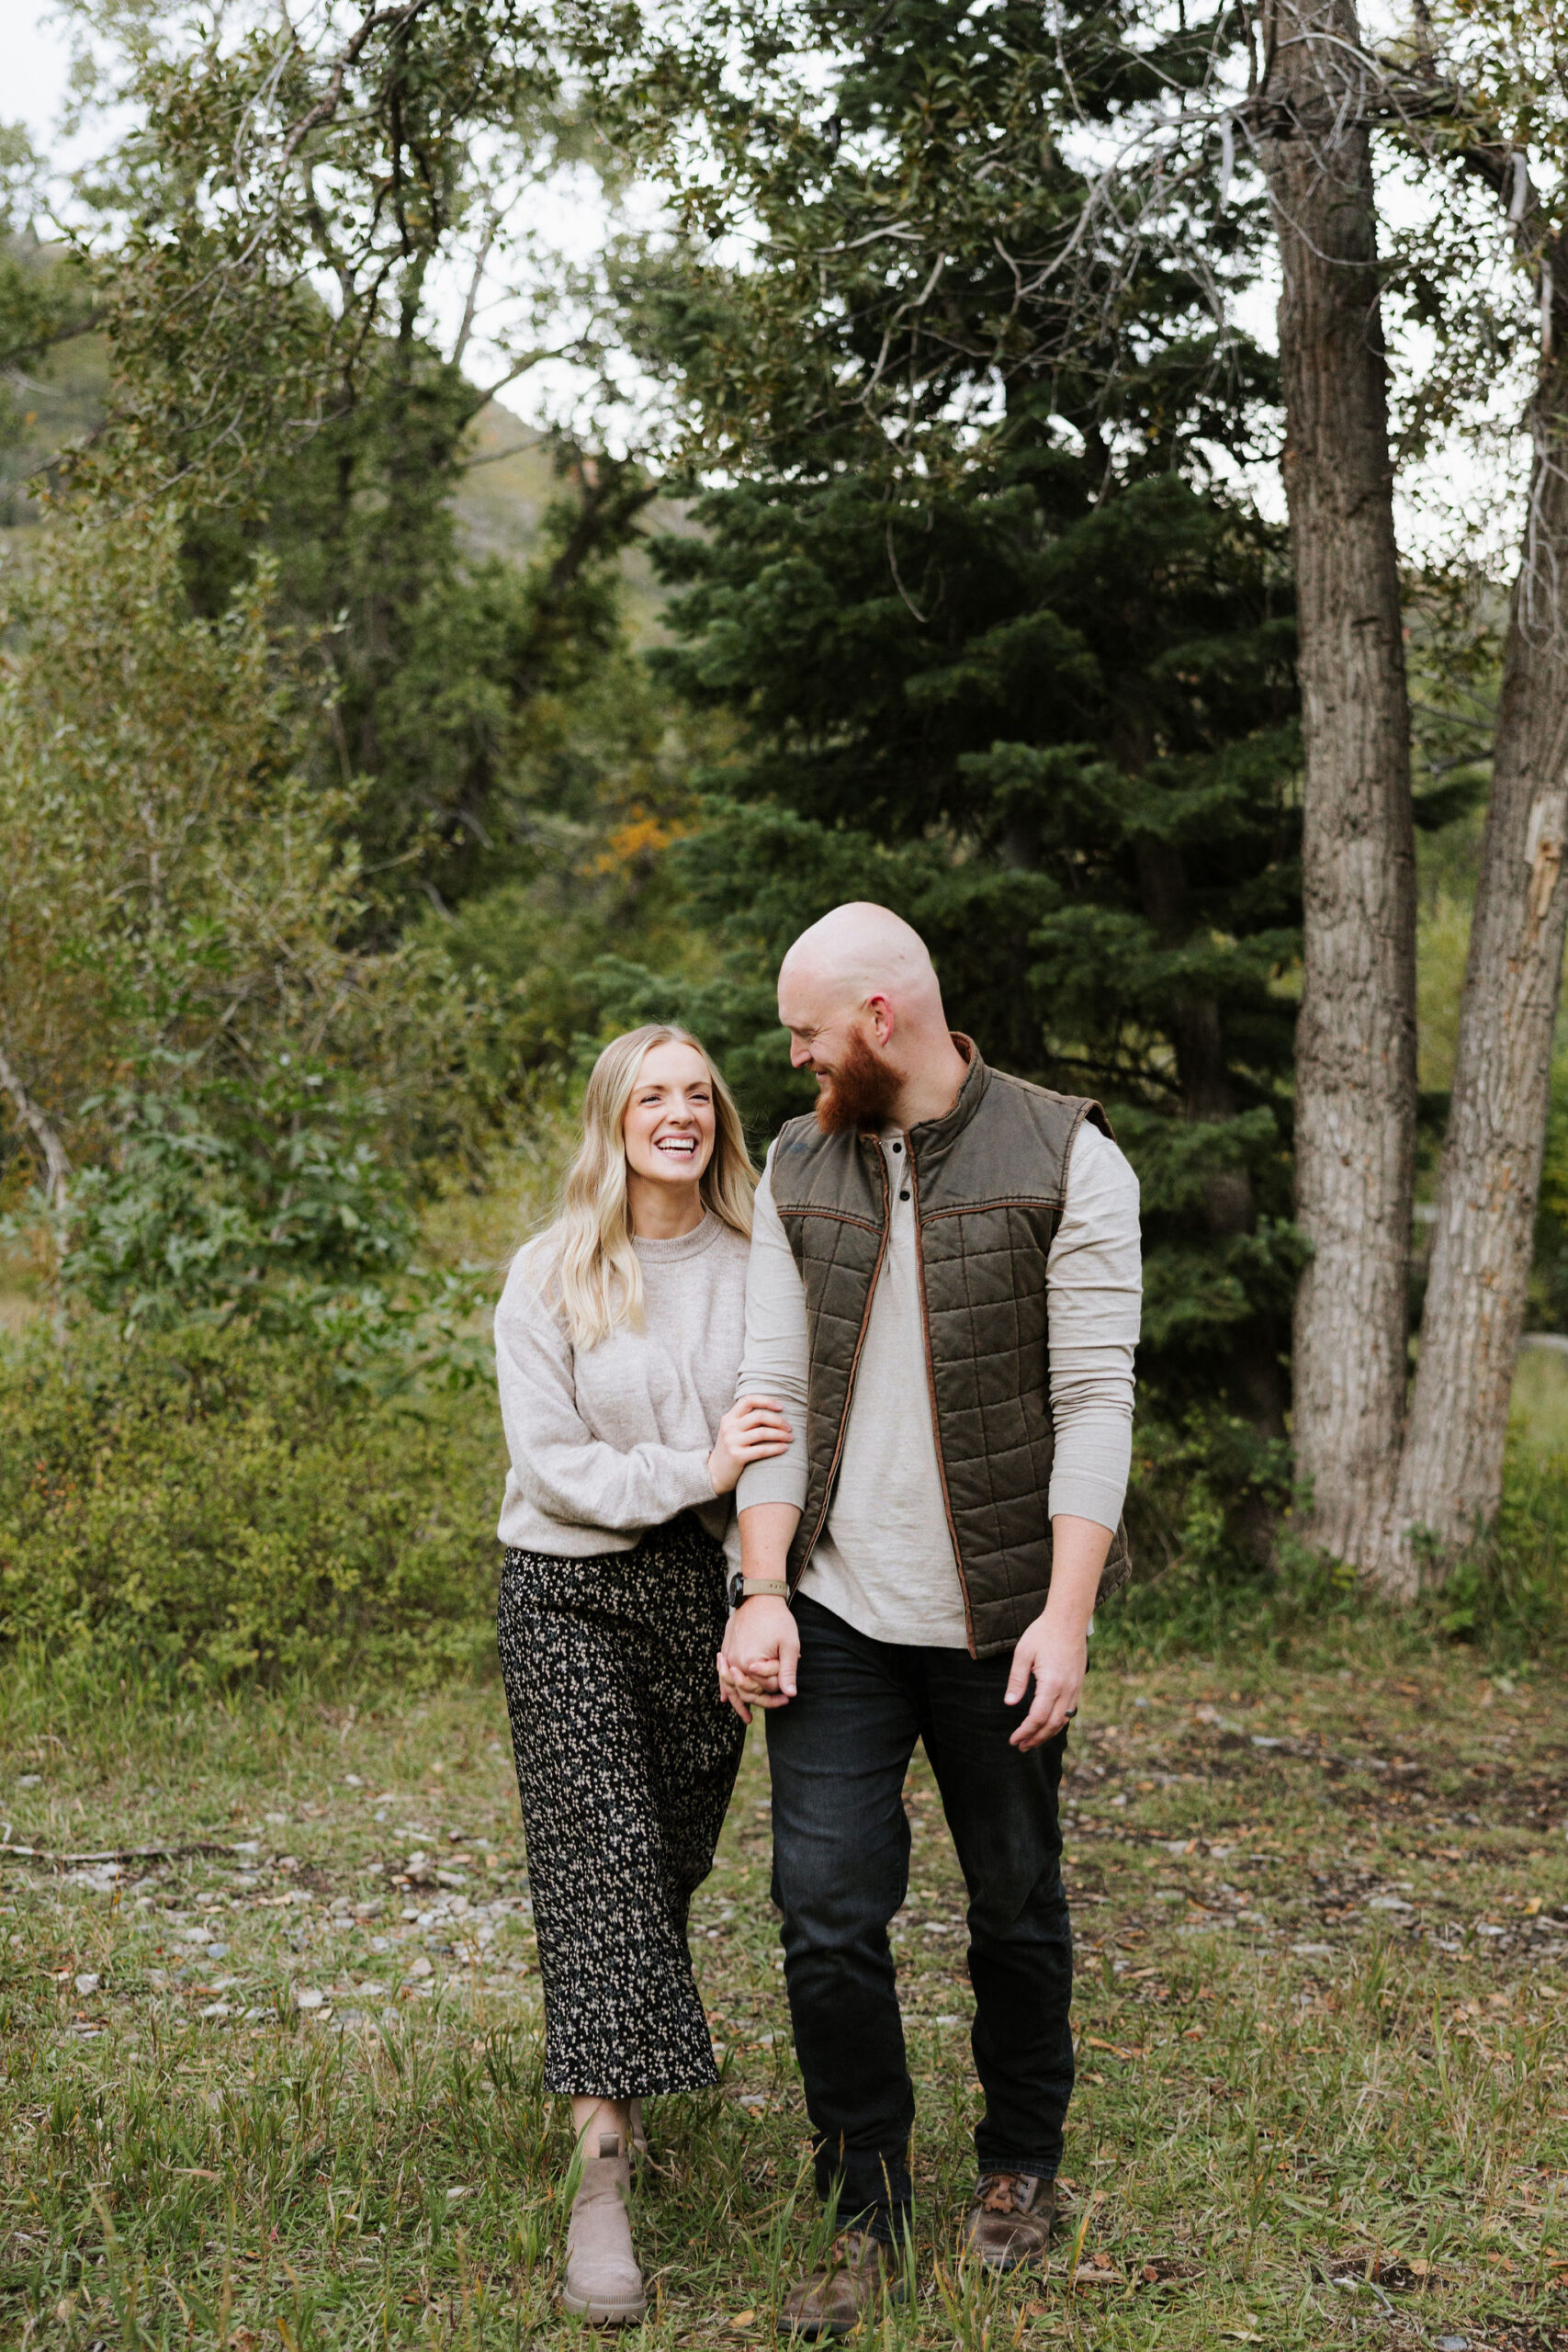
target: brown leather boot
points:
(832, 2301)
(1010, 2220)
(602, 2283)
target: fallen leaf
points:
(1117, 2048)
(744, 2319)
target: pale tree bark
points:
(1356, 1041)
(56, 1166)
(1450, 1481)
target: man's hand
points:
(1058, 1662)
(1054, 1649)
(761, 1650)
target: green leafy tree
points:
(319, 265)
(213, 1076)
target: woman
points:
(618, 1339)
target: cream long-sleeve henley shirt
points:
(885, 1560)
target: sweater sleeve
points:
(1094, 1291)
(560, 1467)
(774, 1363)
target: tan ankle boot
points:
(602, 2283)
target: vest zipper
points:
(930, 1390)
(854, 1367)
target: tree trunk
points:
(1451, 1478)
(1356, 1041)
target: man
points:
(943, 1294)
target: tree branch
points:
(57, 1165)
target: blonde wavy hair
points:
(597, 1279)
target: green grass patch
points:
(272, 2086)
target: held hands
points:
(1057, 1657)
(752, 1430)
(761, 1650)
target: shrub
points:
(224, 1503)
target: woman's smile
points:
(681, 1145)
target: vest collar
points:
(933, 1136)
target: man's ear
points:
(879, 1011)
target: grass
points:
(268, 2093)
(1539, 1411)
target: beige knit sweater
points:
(608, 1442)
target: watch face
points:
(737, 1589)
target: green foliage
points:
(932, 247)
(452, 680)
(330, 429)
(1507, 1595)
(199, 1209)
(172, 880)
(181, 915)
(1549, 1271)
(220, 1501)
(44, 297)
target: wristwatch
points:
(745, 1587)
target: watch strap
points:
(751, 1587)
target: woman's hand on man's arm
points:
(754, 1430)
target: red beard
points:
(859, 1093)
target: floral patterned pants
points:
(626, 1762)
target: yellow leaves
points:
(638, 842)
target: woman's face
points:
(669, 1123)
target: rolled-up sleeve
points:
(1094, 1298)
(775, 1362)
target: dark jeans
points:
(838, 1753)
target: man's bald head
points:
(861, 999)
(860, 951)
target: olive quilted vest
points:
(988, 1179)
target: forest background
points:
(427, 651)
